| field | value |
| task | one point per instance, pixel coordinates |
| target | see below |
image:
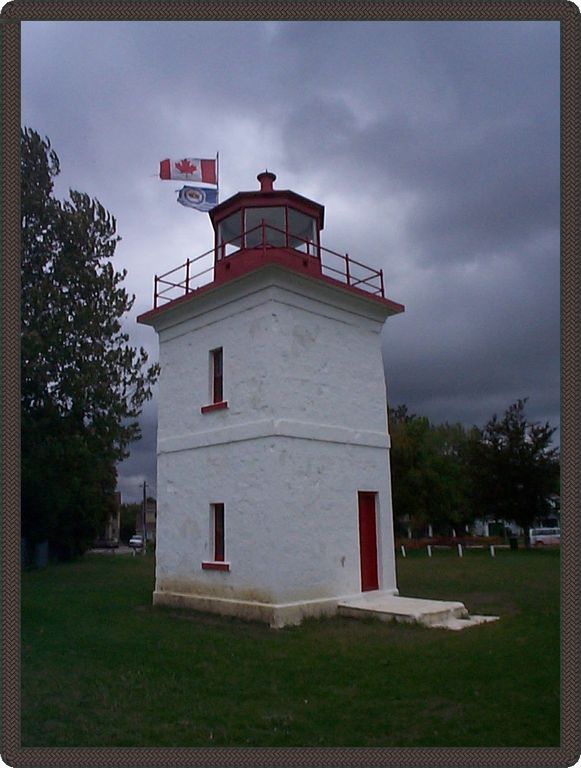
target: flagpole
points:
(217, 177)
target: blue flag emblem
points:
(199, 198)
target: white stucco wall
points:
(305, 430)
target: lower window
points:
(217, 538)
(217, 512)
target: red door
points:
(368, 541)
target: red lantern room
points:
(267, 226)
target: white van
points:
(543, 536)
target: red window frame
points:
(217, 375)
(218, 527)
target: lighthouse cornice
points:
(323, 295)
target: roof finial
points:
(266, 179)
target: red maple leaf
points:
(184, 166)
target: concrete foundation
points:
(276, 616)
(385, 606)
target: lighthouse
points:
(273, 484)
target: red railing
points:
(337, 266)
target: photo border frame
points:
(567, 14)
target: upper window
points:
(217, 361)
(217, 402)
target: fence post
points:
(429, 550)
(459, 550)
(403, 551)
(492, 550)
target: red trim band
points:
(212, 566)
(164, 169)
(214, 406)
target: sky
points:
(434, 147)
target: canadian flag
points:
(189, 169)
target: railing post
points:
(187, 275)
(347, 269)
(382, 288)
(155, 292)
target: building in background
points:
(109, 537)
(150, 519)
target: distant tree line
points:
(82, 385)
(447, 476)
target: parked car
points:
(543, 536)
(136, 541)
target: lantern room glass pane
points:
(272, 217)
(302, 231)
(230, 234)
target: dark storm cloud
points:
(485, 338)
(475, 135)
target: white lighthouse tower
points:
(274, 496)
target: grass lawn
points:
(101, 667)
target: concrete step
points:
(431, 613)
(470, 621)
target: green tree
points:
(514, 468)
(82, 385)
(429, 480)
